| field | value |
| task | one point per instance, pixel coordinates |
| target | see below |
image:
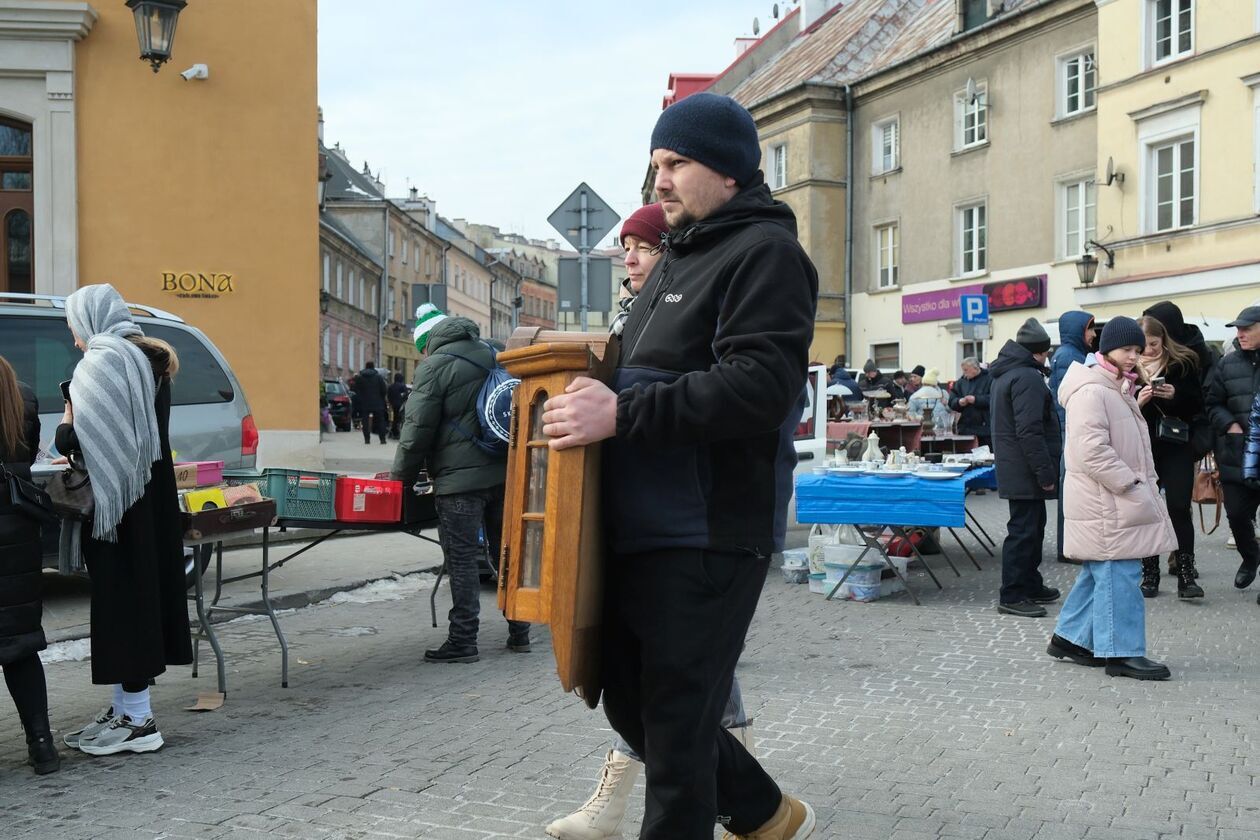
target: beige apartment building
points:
(973, 173)
(1179, 130)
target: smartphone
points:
(1157, 382)
(65, 390)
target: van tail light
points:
(249, 436)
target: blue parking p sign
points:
(975, 308)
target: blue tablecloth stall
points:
(895, 503)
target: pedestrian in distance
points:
(899, 382)
(440, 431)
(1026, 450)
(601, 815)
(970, 398)
(1171, 371)
(21, 575)
(1251, 455)
(1113, 511)
(116, 422)
(1077, 337)
(1231, 391)
(915, 380)
(371, 393)
(397, 396)
(699, 424)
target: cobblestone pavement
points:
(894, 721)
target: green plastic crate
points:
(300, 494)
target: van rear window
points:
(42, 352)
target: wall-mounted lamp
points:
(1087, 265)
(155, 28)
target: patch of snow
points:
(353, 631)
(394, 588)
(75, 650)
(259, 617)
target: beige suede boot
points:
(793, 821)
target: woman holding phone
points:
(1113, 515)
(1172, 372)
(116, 422)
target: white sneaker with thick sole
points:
(124, 735)
(600, 817)
(89, 730)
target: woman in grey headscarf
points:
(116, 421)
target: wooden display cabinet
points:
(551, 569)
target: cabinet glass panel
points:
(536, 472)
(531, 565)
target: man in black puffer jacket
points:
(1231, 389)
(698, 469)
(1026, 450)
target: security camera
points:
(197, 71)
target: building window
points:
(340, 288)
(973, 13)
(391, 305)
(391, 242)
(1173, 190)
(778, 155)
(404, 253)
(887, 356)
(341, 350)
(972, 239)
(327, 356)
(886, 146)
(1170, 24)
(1077, 80)
(887, 245)
(969, 350)
(327, 272)
(373, 289)
(1078, 217)
(971, 118)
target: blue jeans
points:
(733, 717)
(1105, 612)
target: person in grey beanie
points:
(716, 348)
(1026, 450)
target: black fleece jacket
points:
(710, 384)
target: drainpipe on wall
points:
(383, 292)
(848, 225)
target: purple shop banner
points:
(1004, 296)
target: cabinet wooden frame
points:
(555, 578)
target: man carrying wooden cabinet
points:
(698, 469)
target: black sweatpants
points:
(1174, 464)
(674, 627)
(29, 690)
(1021, 550)
(374, 421)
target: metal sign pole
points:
(584, 256)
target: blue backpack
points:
(494, 406)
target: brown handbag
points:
(1208, 491)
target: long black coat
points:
(1231, 388)
(1026, 441)
(139, 607)
(974, 419)
(21, 555)
(1186, 404)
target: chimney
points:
(320, 111)
(415, 194)
(812, 10)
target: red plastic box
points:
(368, 500)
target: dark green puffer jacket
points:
(441, 414)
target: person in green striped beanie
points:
(428, 316)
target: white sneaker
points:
(124, 735)
(89, 730)
(600, 817)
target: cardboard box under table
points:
(895, 503)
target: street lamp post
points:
(155, 28)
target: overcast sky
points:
(498, 110)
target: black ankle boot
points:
(43, 753)
(1150, 577)
(1186, 573)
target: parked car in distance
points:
(338, 396)
(210, 417)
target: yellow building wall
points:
(211, 177)
(1226, 135)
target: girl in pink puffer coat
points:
(1113, 514)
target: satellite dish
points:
(972, 93)
(1112, 174)
(756, 26)
(776, 11)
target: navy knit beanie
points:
(714, 130)
(1121, 332)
